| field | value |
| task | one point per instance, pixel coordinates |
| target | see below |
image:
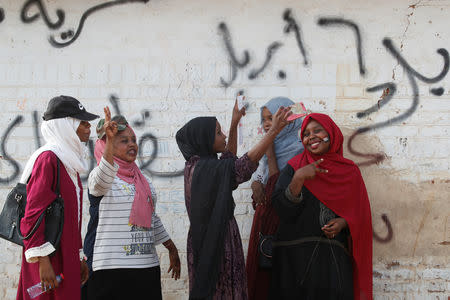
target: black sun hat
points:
(66, 106)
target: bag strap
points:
(35, 227)
(310, 239)
(39, 220)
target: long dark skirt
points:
(125, 284)
(265, 221)
(298, 274)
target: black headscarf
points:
(212, 204)
(197, 137)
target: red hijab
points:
(342, 190)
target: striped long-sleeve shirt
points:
(111, 242)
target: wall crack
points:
(408, 17)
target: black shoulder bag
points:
(14, 210)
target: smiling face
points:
(313, 138)
(84, 131)
(220, 142)
(125, 146)
(266, 119)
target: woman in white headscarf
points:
(65, 129)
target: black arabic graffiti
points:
(36, 129)
(42, 12)
(292, 25)
(2, 14)
(68, 36)
(147, 137)
(389, 88)
(73, 37)
(412, 76)
(144, 161)
(92, 162)
(390, 233)
(114, 100)
(355, 28)
(236, 64)
(270, 51)
(5, 155)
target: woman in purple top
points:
(214, 249)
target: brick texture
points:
(165, 60)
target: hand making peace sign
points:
(310, 171)
(110, 127)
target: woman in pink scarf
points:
(124, 228)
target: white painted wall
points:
(167, 57)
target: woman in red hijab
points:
(324, 240)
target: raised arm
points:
(101, 177)
(272, 160)
(111, 129)
(232, 136)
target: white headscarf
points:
(61, 138)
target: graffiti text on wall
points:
(388, 88)
(68, 36)
(145, 161)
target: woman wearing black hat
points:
(65, 128)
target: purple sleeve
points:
(244, 168)
(227, 154)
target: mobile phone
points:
(240, 100)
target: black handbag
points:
(265, 248)
(14, 210)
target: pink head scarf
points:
(142, 208)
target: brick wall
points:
(168, 61)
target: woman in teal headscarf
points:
(286, 145)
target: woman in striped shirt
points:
(124, 228)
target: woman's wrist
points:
(296, 185)
(43, 259)
(272, 133)
(170, 245)
(270, 152)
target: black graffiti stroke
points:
(86, 14)
(391, 87)
(293, 26)
(114, 100)
(412, 75)
(390, 232)
(36, 129)
(235, 62)
(5, 155)
(343, 22)
(2, 14)
(42, 12)
(145, 162)
(270, 51)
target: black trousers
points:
(123, 284)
